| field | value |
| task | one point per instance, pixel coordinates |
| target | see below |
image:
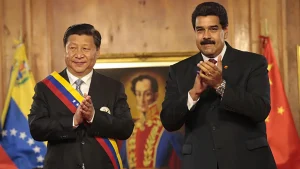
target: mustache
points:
(207, 41)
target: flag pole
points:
(13, 78)
(21, 35)
(298, 63)
(266, 29)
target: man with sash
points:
(150, 146)
(79, 112)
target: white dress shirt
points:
(85, 86)
(191, 102)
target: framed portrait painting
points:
(127, 68)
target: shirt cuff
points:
(191, 102)
(92, 118)
(73, 124)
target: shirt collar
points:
(87, 78)
(205, 58)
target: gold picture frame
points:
(128, 66)
(135, 60)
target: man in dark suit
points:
(80, 112)
(222, 95)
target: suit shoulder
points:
(186, 62)
(107, 79)
(250, 57)
(40, 84)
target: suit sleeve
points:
(42, 126)
(116, 125)
(174, 108)
(253, 100)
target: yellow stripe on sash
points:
(68, 86)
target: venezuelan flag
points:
(5, 161)
(16, 139)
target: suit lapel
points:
(97, 87)
(189, 71)
(193, 69)
(65, 75)
(227, 61)
(197, 60)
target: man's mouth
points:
(79, 63)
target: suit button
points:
(63, 137)
(213, 128)
(82, 142)
(214, 149)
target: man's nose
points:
(206, 34)
(79, 54)
(143, 99)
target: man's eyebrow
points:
(213, 26)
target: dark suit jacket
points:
(50, 120)
(229, 132)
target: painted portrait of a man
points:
(150, 145)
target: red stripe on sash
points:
(108, 151)
(58, 93)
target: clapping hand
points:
(210, 73)
(87, 108)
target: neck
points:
(79, 74)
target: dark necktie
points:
(213, 61)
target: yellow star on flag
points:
(269, 68)
(280, 110)
(267, 119)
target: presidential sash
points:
(72, 99)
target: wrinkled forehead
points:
(207, 21)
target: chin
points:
(208, 52)
(79, 70)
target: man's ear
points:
(155, 96)
(98, 53)
(225, 33)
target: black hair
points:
(83, 29)
(211, 8)
(154, 84)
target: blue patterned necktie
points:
(78, 83)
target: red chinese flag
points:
(281, 131)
